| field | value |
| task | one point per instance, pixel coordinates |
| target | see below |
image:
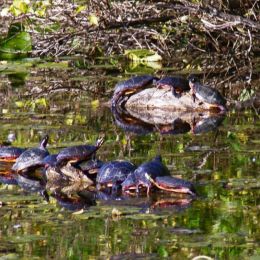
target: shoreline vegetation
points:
(213, 39)
(97, 28)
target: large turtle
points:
(125, 89)
(78, 153)
(155, 174)
(113, 173)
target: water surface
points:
(67, 101)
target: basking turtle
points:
(113, 173)
(10, 154)
(155, 174)
(78, 153)
(178, 85)
(124, 89)
(91, 166)
(32, 158)
(138, 179)
(210, 96)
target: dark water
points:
(66, 101)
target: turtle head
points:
(44, 142)
(100, 140)
(193, 82)
(193, 79)
(158, 158)
(129, 183)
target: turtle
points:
(178, 85)
(32, 158)
(113, 173)
(208, 95)
(138, 179)
(155, 174)
(78, 153)
(125, 89)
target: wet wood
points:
(153, 98)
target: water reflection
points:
(165, 123)
(74, 198)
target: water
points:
(67, 102)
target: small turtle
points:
(78, 153)
(10, 154)
(32, 158)
(113, 173)
(91, 166)
(131, 86)
(178, 85)
(210, 96)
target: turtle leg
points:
(175, 93)
(116, 188)
(45, 195)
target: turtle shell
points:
(31, 158)
(179, 83)
(114, 172)
(10, 153)
(169, 182)
(76, 153)
(154, 168)
(132, 85)
(91, 166)
(130, 182)
(208, 95)
(50, 160)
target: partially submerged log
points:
(151, 99)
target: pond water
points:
(68, 100)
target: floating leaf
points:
(142, 55)
(41, 102)
(17, 44)
(19, 104)
(162, 252)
